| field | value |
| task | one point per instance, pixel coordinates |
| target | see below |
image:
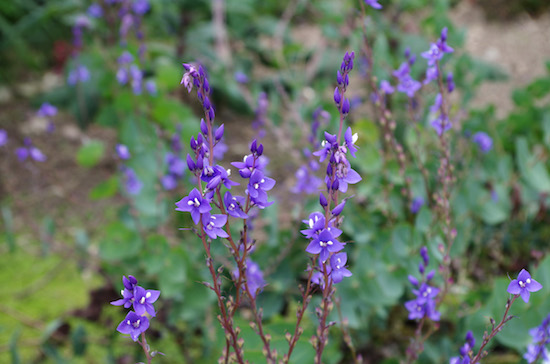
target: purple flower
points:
(420, 308)
(151, 87)
(140, 7)
(79, 74)
(133, 325)
(169, 182)
(122, 76)
(132, 183)
(450, 82)
(431, 75)
(408, 85)
(465, 351)
(240, 77)
(338, 267)
(144, 299)
(373, 3)
(213, 224)
(22, 153)
(442, 42)
(350, 140)
(541, 337)
(95, 10)
(346, 175)
(195, 204)
(441, 124)
(122, 152)
(433, 55)
(125, 58)
(47, 110)
(29, 151)
(386, 87)
(3, 137)
(524, 285)
(257, 187)
(254, 277)
(234, 205)
(416, 204)
(483, 141)
(127, 293)
(324, 244)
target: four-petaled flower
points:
(524, 285)
(324, 244)
(195, 204)
(212, 225)
(133, 325)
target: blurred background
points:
(76, 217)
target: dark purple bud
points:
(204, 127)
(201, 71)
(430, 275)
(329, 170)
(260, 150)
(206, 86)
(213, 183)
(424, 254)
(444, 34)
(412, 59)
(413, 280)
(337, 97)
(190, 163)
(199, 139)
(338, 209)
(211, 114)
(193, 143)
(206, 103)
(200, 164)
(339, 78)
(450, 82)
(335, 185)
(330, 138)
(200, 96)
(245, 172)
(407, 52)
(254, 146)
(323, 200)
(345, 106)
(346, 80)
(219, 132)
(421, 268)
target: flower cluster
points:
(141, 299)
(29, 151)
(424, 304)
(405, 82)
(47, 111)
(483, 141)
(541, 337)
(465, 351)
(323, 228)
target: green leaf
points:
(532, 169)
(90, 153)
(105, 189)
(119, 242)
(78, 341)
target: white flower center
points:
(148, 295)
(142, 300)
(521, 284)
(528, 280)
